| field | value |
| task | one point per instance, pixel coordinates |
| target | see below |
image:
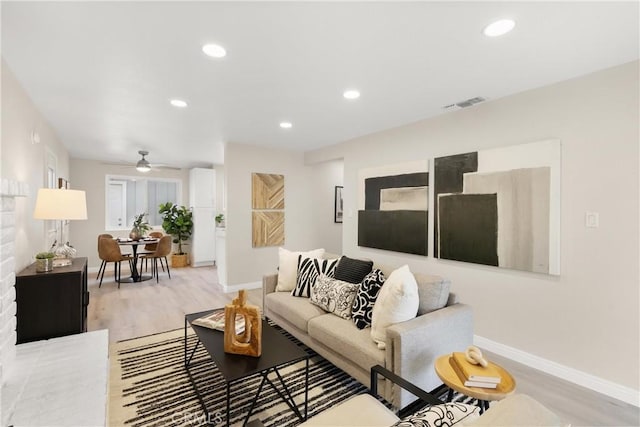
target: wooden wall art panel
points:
(268, 228)
(267, 191)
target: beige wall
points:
(587, 318)
(89, 175)
(246, 264)
(24, 161)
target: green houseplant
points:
(44, 261)
(220, 220)
(178, 222)
(140, 226)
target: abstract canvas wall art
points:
(393, 207)
(500, 207)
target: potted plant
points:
(178, 222)
(44, 261)
(220, 220)
(140, 227)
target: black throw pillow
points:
(352, 270)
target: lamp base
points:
(62, 262)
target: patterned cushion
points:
(362, 308)
(288, 267)
(445, 415)
(308, 271)
(352, 270)
(334, 296)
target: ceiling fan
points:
(143, 165)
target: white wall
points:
(89, 175)
(588, 318)
(24, 161)
(323, 179)
(246, 264)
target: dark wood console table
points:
(52, 304)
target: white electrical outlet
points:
(592, 219)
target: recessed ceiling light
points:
(351, 94)
(214, 50)
(178, 103)
(499, 28)
(286, 125)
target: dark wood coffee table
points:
(277, 352)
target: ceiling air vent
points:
(466, 103)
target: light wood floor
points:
(147, 308)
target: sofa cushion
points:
(308, 271)
(397, 302)
(334, 296)
(352, 270)
(342, 337)
(362, 308)
(447, 414)
(433, 292)
(288, 267)
(298, 311)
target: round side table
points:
(445, 372)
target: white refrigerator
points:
(202, 200)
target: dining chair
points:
(163, 249)
(150, 248)
(103, 263)
(109, 251)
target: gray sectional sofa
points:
(411, 347)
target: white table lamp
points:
(62, 205)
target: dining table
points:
(135, 275)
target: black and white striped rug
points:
(150, 387)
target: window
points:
(127, 196)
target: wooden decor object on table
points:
(249, 342)
(267, 191)
(267, 228)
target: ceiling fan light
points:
(143, 166)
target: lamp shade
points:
(60, 204)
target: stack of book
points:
(474, 375)
(216, 321)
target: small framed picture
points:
(338, 205)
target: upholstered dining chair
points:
(150, 248)
(163, 249)
(103, 263)
(109, 251)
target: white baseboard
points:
(609, 388)
(234, 288)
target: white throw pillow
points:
(397, 302)
(288, 267)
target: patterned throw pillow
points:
(445, 415)
(362, 308)
(308, 271)
(334, 296)
(352, 270)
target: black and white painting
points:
(500, 207)
(394, 206)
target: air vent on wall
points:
(466, 103)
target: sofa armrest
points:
(269, 282)
(413, 346)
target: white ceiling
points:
(102, 73)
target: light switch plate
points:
(592, 219)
